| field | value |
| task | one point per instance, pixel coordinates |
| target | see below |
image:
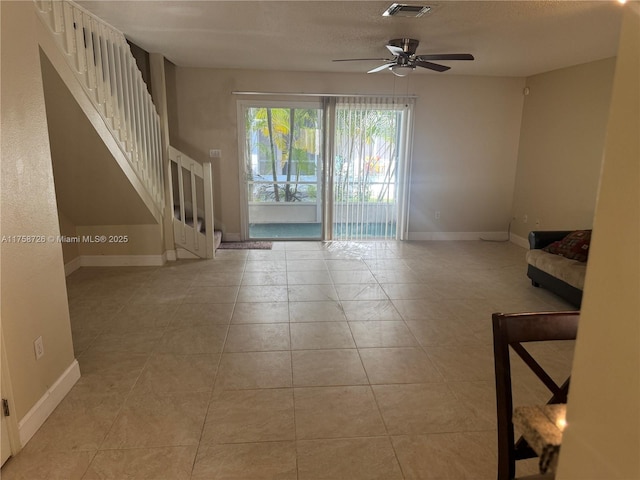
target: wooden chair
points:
(512, 330)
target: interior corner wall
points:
(561, 147)
(70, 250)
(465, 143)
(33, 289)
(602, 438)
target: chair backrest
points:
(512, 330)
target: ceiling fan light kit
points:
(401, 70)
(405, 59)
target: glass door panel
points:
(367, 153)
(283, 167)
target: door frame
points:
(11, 422)
(241, 106)
(327, 104)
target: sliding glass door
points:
(370, 149)
(358, 191)
(282, 166)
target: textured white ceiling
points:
(511, 38)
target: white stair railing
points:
(192, 187)
(101, 59)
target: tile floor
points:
(308, 361)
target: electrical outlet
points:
(38, 346)
(215, 153)
(437, 215)
(525, 217)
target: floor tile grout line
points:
(293, 395)
(215, 379)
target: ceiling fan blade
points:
(361, 59)
(397, 51)
(432, 66)
(445, 56)
(382, 67)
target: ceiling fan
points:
(405, 59)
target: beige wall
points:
(602, 440)
(33, 290)
(561, 146)
(466, 137)
(465, 151)
(140, 240)
(70, 251)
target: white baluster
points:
(89, 53)
(181, 195)
(208, 207)
(58, 18)
(146, 136)
(137, 95)
(128, 120)
(152, 146)
(194, 208)
(99, 69)
(69, 31)
(157, 164)
(81, 66)
(107, 67)
(134, 119)
(118, 91)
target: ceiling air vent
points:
(404, 10)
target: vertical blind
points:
(370, 152)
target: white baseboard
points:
(171, 255)
(449, 236)
(521, 242)
(72, 266)
(183, 254)
(123, 260)
(33, 420)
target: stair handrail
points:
(101, 60)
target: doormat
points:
(246, 245)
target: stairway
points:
(106, 137)
(95, 63)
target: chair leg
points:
(506, 467)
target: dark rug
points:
(246, 245)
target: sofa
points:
(557, 261)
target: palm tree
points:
(365, 136)
(272, 150)
(283, 128)
(271, 123)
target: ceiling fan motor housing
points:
(408, 45)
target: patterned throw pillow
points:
(574, 246)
